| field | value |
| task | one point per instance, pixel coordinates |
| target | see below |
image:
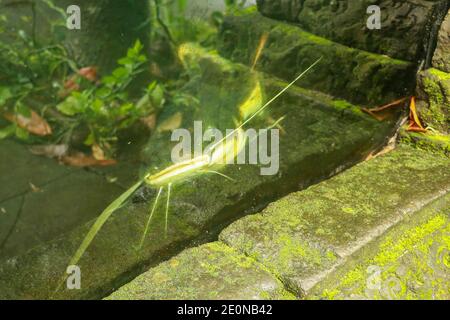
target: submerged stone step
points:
(322, 137)
(305, 235)
(432, 142)
(41, 199)
(357, 76)
(406, 26)
(210, 272)
(410, 261)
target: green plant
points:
(40, 85)
(105, 108)
(29, 71)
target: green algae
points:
(431, 142)
(296, 236)
(434, 99)
(211, 271)
(409, 262)
(358, 76)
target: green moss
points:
(391, 250)
(436, 143)
(436, 86)
(358, 76)
(211, 271)
(440, 74)
(410, 262)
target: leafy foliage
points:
(48, 98)
(39, 84)
(106, 108)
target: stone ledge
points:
(429, 141)
(410, 261)
(358, 76)
(303, 236)
(441, 58)
(405, 25)
(210, 272)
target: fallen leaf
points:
(260, 49)
(35, 124)
(50, 150)
(414, 122)
(82, 160)
(89, 73)
(373, 111)
(172, 123)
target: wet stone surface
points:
(304, 235)
(441, 58)
(212, 271)
(321, 140)
(410, 261)
(41, 199)
(405, 25)
(355, 75)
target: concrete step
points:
(321, 241)
(211, 271)
(306, 234)
(358, 76)
(410, 261)
(395, 202)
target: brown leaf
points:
(35, 124)
(172, 123)
(89, 73)
(414, 122)
(260, 49)
(82, 160)
(374, 112)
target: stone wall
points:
(433, 85)
(406, 26)
(417, 31)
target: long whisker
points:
(269, 102)
(221, 174)
(144, 235)
(167, 208)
